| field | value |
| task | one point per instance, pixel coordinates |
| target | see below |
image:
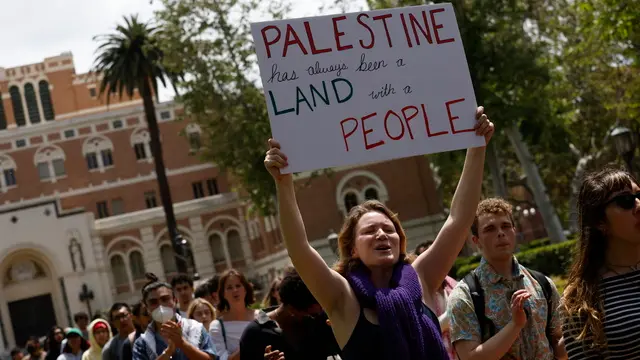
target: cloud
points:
(36, 29)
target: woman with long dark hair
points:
(375, 296)
(602, 298)
(53, 343)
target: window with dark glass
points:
(350, 200)
(107, 157)
(10, 177)
(32, 103)
(16, 103)
(371, 194)
(117, 124)
(21, 143)
(3, 118)
(198, 191)
(103, 209)
(150, 199)
(165, 115)
(68, 134)
(212, 186)
(194, 141)
(93, 92)
(92, 161)
(141, 153)
(45, 100)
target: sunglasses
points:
(625, 201)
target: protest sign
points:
(363, 87)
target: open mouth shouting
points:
(383, 247)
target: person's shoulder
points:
(107, 346)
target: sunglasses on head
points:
(625, 201)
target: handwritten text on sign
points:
(364, 87)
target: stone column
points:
(103, 273)
(152, 260)
(200, 247)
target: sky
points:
(36, 29)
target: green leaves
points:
(130, 57)
(210, 41)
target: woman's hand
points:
(272, 355)
(484, 127)
(276, 160)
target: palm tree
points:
(130, 59)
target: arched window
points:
(119, 271)
(217, 250)
(136, 263)
(3, 117)
(234, 243)
(7, 173)
(45, 100)
(32, 103)
(98, 153)
(16, 103)
(371, 194)
(49, 160)
(193, 135)
(350, 200)
(140, 139)
(168, 259)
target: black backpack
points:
(477, 296)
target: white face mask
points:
(162, 314)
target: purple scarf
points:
(408, 332)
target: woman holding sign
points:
(375, 297)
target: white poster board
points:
(364, 87)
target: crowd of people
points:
(379, 301)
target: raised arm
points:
(433, 265)
(326, 285)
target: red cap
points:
(100, 325)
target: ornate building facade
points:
(80, 209)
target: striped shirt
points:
(621, 301)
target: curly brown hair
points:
(491, 206)
(347, 236)
(581, 302)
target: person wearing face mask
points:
(34, 350)
(297, 327)
(170, 336)
(99, 334)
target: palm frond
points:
(130, 58)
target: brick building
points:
(80, 208)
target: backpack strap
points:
(224, 333)
(477, 297)
(547, 290)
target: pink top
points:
(441, 307)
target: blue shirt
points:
(193, 332)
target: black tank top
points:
(366, 341)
